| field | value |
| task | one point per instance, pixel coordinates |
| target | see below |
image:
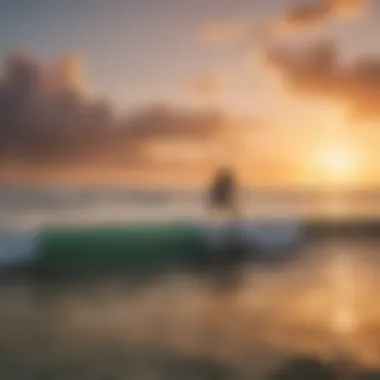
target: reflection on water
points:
(322, 308)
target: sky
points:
(134, 50)
(146, 50)
(199, 54)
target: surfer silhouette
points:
(223, 192)
(226, 251)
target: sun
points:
(337, 164)
(337, 160)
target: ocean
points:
(315, 316)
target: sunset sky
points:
(143, 50)
(244, 66)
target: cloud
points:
(68, 72)
(306, 15)
(46, 115)
(224, 32)
(318, 71)
(43, 112)
(162, 122)
(207, 86)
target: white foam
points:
(17, 248)
(266, 236)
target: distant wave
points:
(17, 248)
(31, 209)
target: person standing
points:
(226, 249)
(223, 198)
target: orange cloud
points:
(68, 72)
(302, 16)
(71, 71)
(45, 117)
(224, 33)
(318, 71)
(207, 86)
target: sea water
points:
(289, 321)
(26, 213)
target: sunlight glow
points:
(337, 160)
(337, 164)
